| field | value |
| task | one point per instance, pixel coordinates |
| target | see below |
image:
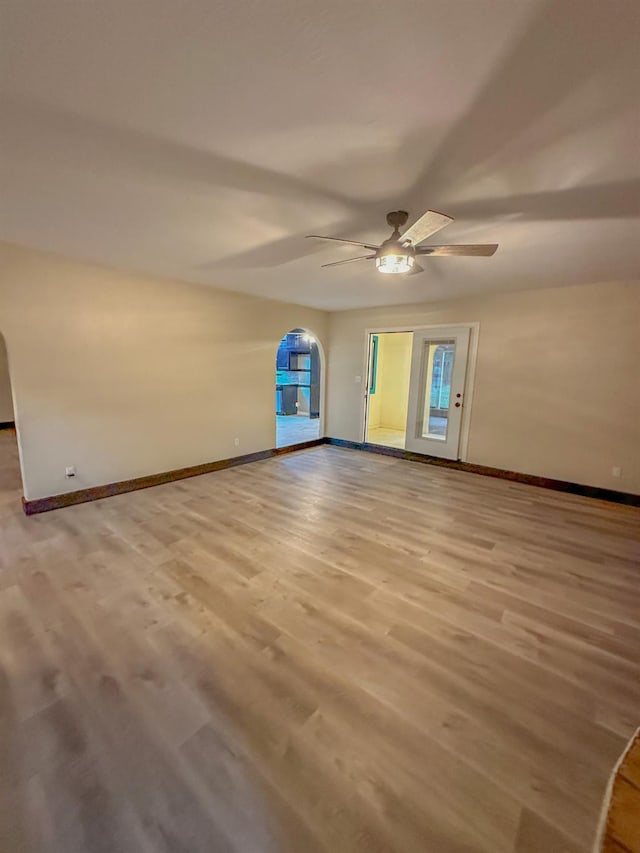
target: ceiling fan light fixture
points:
(394, 264)
(397, 254)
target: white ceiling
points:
(202, 139)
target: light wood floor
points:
(328, 651)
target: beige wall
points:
(557, 389)
(124, 376)
(6, 399)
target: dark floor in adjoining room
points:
(10, 480)
(409, 659)
(295, 429)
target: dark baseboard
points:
(98, 492)
(7, 425)
(303, 445)
(487, 471)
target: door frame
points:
(474, 335)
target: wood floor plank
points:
(327, 652)
(536, 836)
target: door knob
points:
(458, 405)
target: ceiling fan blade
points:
(478, 249)
(340, 240)
(428, 224)
(415, 269)
(348, 260)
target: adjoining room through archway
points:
(298, 379)
(10, 478)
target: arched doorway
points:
(298, 388)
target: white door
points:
(436, 395)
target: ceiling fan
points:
(398, 253)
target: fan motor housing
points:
(397, 218)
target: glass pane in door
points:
(438, 358)
(438, 375)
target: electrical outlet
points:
(616, 471)
(236, 441)
(70, 471)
